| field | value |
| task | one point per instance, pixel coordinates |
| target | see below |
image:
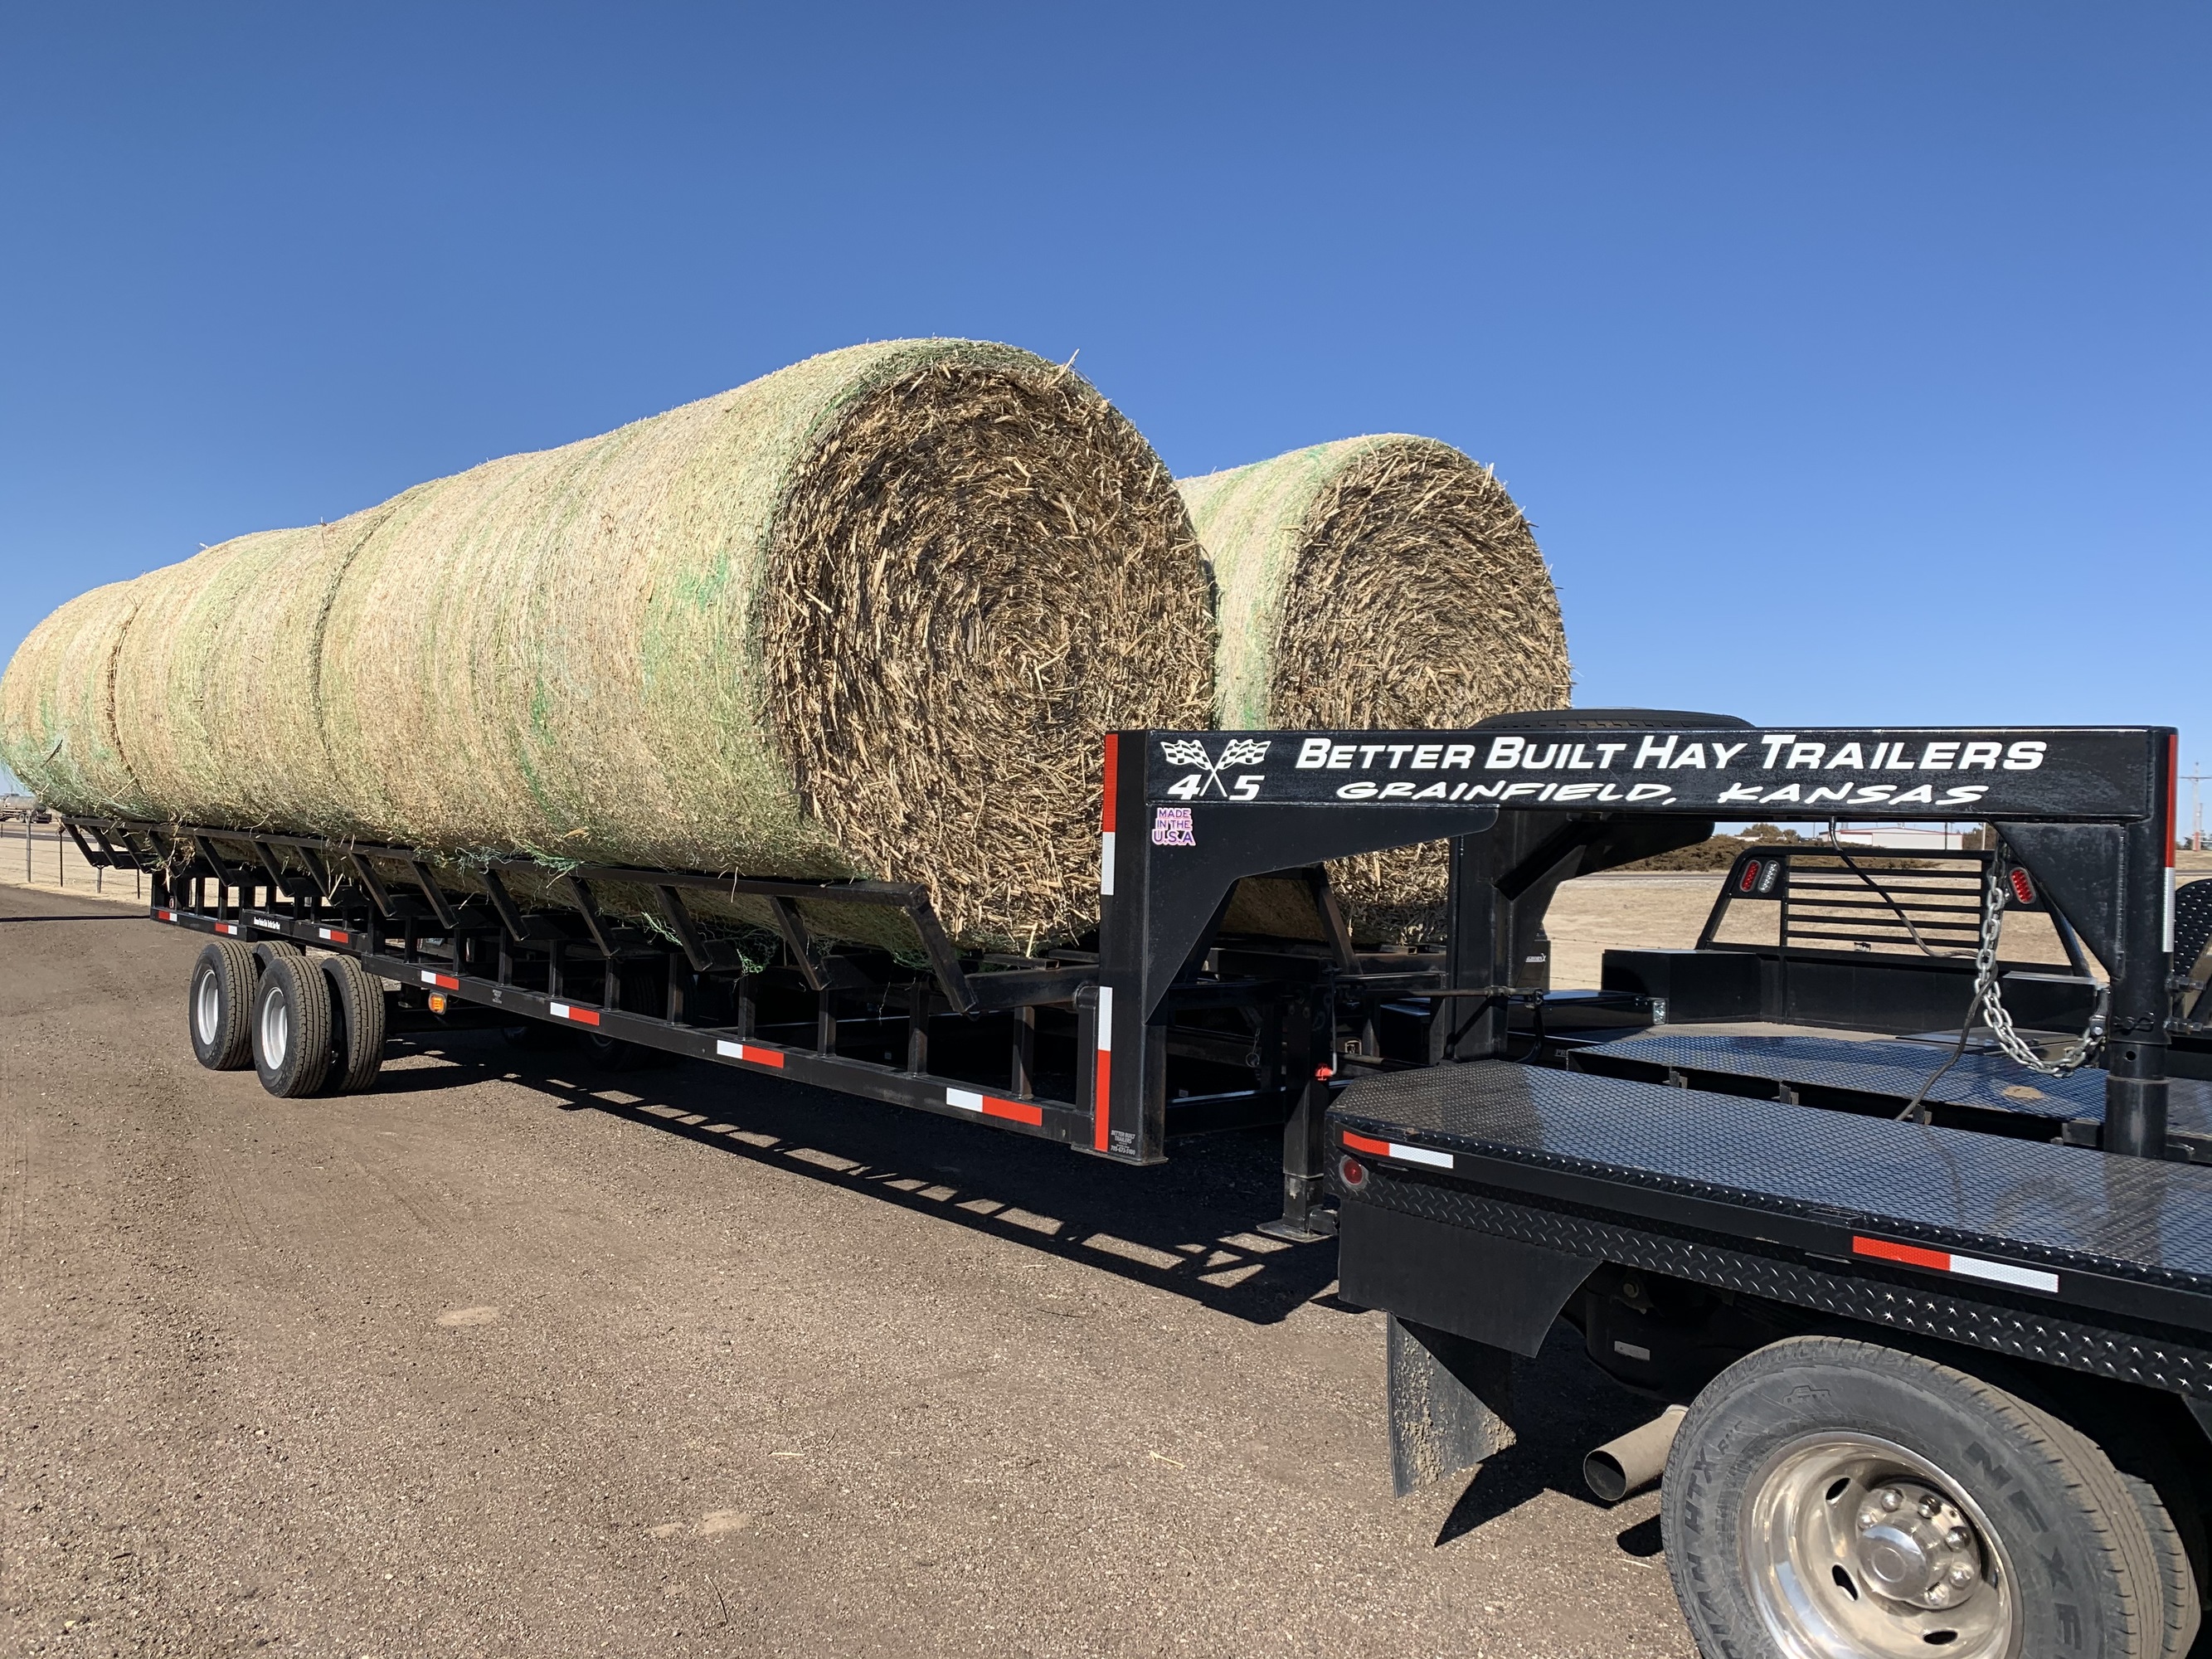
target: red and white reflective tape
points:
(2173, 790)
(991, 1106)
(562, 1011)
(1396, 1149)
(230, 928)
(1967, 1266)
(749, 1054)
(165, 915)
(1102, 1080)
(443, 981)
(1106, 816)
(335, 935)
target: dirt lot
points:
(512, 1359)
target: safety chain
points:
(2079, 1052)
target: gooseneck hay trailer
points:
(1908, 1244)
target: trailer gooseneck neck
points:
(1529, 801)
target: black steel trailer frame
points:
(1480, 1198)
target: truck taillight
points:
(437, 1002)
(2022, 888)
(1351, 1172)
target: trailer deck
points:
(1880, 1073)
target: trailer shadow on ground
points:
(1563, 1407)
(1187, 1226)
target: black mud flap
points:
(1448, 1401)
(1462, 1304)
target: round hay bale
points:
(1374, 583)
(58, 724)
(866, 616)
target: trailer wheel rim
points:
(1854, 1547)
(276, 1030)
(207, 1008)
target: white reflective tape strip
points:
(1106, 864)
(1998, 1272)
(729, 1050)
(1105, 1018)
(965, 1099)
(2168, 946)
(1420, 1155)
(560, 1011)
(429, 978)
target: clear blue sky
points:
(1852, 361)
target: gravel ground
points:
(516, 1358)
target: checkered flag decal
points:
(1187, 754)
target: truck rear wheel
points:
(219, 1007)
(292, 1027)
(1828, 1498)
(357, 1021)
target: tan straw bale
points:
(868, 614)
(58, 729)
(1377, 582)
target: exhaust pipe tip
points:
(1634, 1461)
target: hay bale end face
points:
(869, 614)
(1377, 582)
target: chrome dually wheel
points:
(1832, 1497)
(1854, 1547)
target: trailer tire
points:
(1779, 1532)
(266, 951)
(292, 1027)
(357, 1019)
(616, 1055)
(219, 1006)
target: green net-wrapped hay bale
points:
(866, 616)
(1377, 582)
(58, 707)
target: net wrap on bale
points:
(1377, 582)
(867, 616)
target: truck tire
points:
(1827, 1496)
(357, 1024)
(292, 1027)
(219, 1006)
